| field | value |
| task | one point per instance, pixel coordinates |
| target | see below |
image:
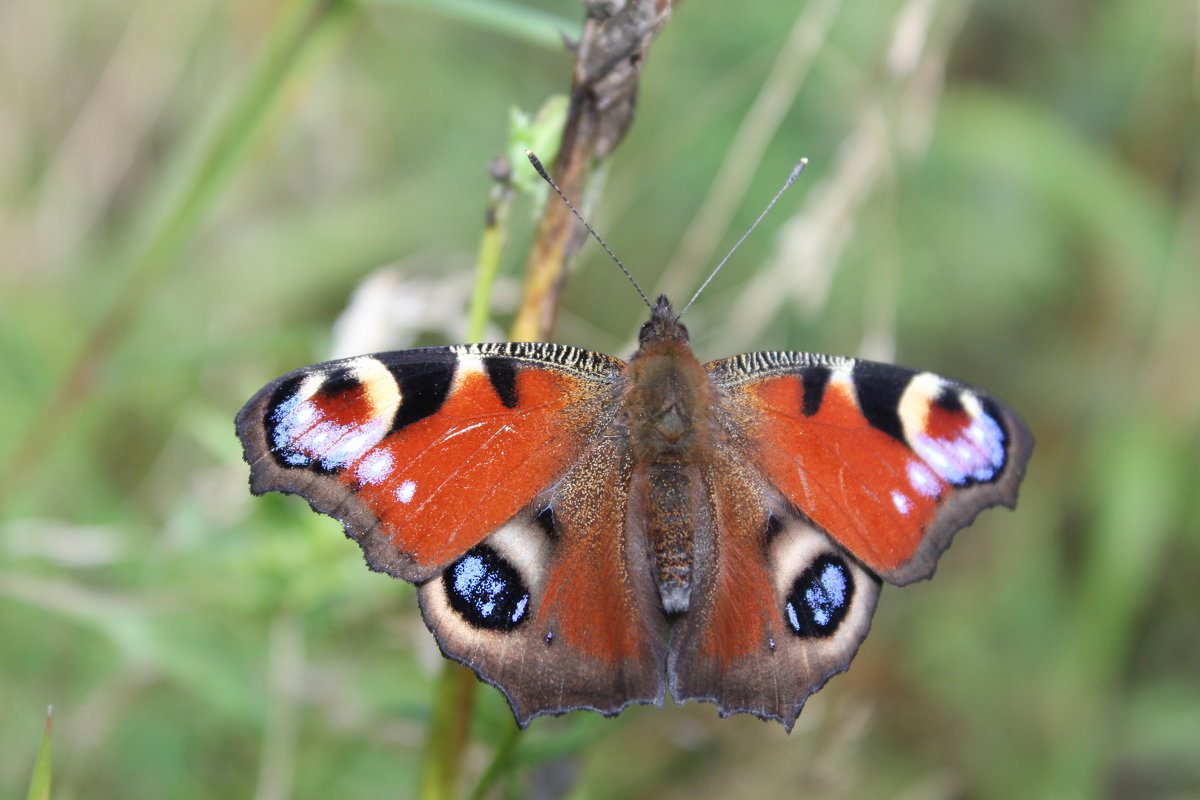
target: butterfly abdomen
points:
(671, 505)
(669, 401)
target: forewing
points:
(889, 461)
(421, 453)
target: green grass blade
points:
(514, 20)
(39, 783)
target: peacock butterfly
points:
(575, 523)
(586, 533)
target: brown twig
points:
(610, 54)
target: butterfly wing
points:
(889, 461)
(830, 474)
(777, 610)
(484, 474)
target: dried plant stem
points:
(557, 237)
(603, 93)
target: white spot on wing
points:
(914, 403)
(342, 445)
(374, 467)
(352, 446)
(793, 620)
(922, 479)
(383, 393)
(901, 501)
(405, 492)
(317, 438)
(841, 385)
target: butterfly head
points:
(663, 325)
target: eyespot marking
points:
(820, 598)
(962, 446)
(486, 590)
(329, 420)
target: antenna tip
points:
(796, 170)
(537, 164)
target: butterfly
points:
(587, 533)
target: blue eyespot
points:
(486, 590)
(820, 598)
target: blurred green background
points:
(1003, 192)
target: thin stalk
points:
(491, 247)
(446, 739)
(39, 781)
(500, 762)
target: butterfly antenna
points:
(796, 170)
(537, 164)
